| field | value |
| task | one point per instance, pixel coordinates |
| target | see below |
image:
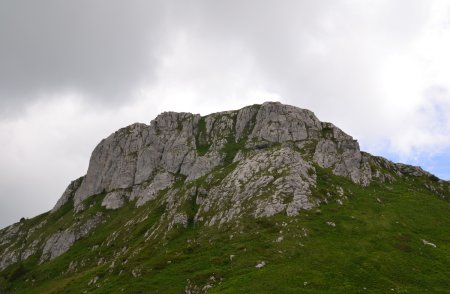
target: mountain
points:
(265, 199)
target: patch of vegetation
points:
(202, 138)
(220, 173)
(231, 148)
(327, 132)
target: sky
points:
(73, 72)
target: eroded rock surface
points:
(263, 184)
(60, 242)
(68, 193)
(115, 199)
(136, 155)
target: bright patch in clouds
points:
(380, 70)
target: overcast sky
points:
(72, 72)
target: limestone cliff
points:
(192, 146)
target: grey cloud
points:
(101, 49)
(105, 49)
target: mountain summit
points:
(263, 199)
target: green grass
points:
(231, 148)
(376, 246)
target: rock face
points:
(257, 162)
(113, 163)
(263, 184)
(114, 200)
(21, 242)
(68, 193)
(279, 123)
(141, 153)
(141, 160)
(60, 242)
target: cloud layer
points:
(73, 72)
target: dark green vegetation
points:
(202, 143)
(375, 247)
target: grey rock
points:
(30, 250)
(147, 162)
(331, 224)
(68, 194)
(11, 251)
(135, 157)
(326, 154)
(204, 165)
(176, 132)
(179, 219)
(352, 166)
(35, 228)
(411, 170)
(8, 233)
(276, 122)
(114, 200)
(246, 119)
(218, 126)
(341, 152)
(269, 182)
(299, 202)
(62, 241)
(145, 194)
(57, 244)
(8, 257)
(425, 242)
(133, 154)
(113, 163)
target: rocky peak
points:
(191, 145)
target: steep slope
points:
(263, 199)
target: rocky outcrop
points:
(114, 199)
(341, 153)
(146, 193)
(113, 162)
(139, 161)
(134, 154)
(9, 257)
(170, 144)
(411, 170)
(279, 123)
(204, 165)
(61, 242)
(263, 185)
(68, 193)
(17, 242)
(10, 248)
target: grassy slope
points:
(374, 247)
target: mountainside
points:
(265, 199)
